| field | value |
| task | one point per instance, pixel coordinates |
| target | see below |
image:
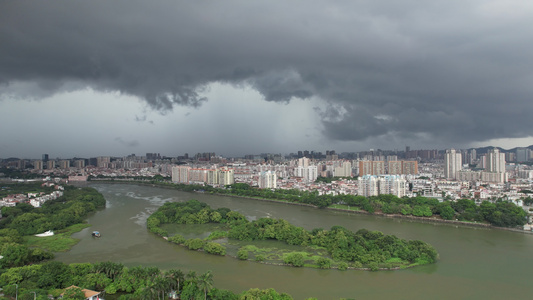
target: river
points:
(475, 263)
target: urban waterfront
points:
(475, 263)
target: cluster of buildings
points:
(449, 174)
(35, 199)
(493, 165)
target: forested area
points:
(142, 283)
(363, 249)
(21, 275)
(500, 213)
(25, 220)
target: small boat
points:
(96, 234)
(47, 233)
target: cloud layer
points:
(451, 71)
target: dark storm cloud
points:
(448, 70)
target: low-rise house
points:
(89, 294)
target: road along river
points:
(475, 263)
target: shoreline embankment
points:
(378, 214)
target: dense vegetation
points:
(499, 213)
(25, 220)
(369, 249)
(131, 283)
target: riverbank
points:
(61, 241)
(379, 214)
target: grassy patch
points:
(59, 242)
(394, 260)
(215, 235)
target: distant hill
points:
(483, 150)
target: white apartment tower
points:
(392, 184)
(372, 185)
(452, 163)
(180, 174)
(303, 162)
(495, 161)
(344, 170)
(368, 185)
(226, 176)
(267, 180)
(309, 173)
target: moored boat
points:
(46, 233)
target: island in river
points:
(335, 248)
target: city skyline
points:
(114, 78)
(518, 154)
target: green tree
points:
(324, 263)
(176, 277)
(242, 254)
(295, 259)
(194, 244)
(446, 211)
(177, 239)
(215, 248)
(267, 294)
(14, 255)
(205, 282)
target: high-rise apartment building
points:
(37, 164)
(212, 177)
(522, 154)
(303, 162)
(198, 176)
(226, 177)
(267, 180)
(344, 170)
(64, 164)
(402, 167)
(368, 185)
(80, 163)
(371, 167)
(472, 156)
(452, 164)
(372, 185)
(180, 174)
(495, 161)
(393, 185)
(103, 161)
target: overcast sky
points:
(90, 78)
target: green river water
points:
(475, 263)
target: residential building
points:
(37, 164)
(371, 167)
(522, 154)
(372, 185)
(452, 164)
(180, 174)
(225, 177)
(495, 161)
(267, 180)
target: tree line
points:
(51, 278)
(499, 213)
(368, 249)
